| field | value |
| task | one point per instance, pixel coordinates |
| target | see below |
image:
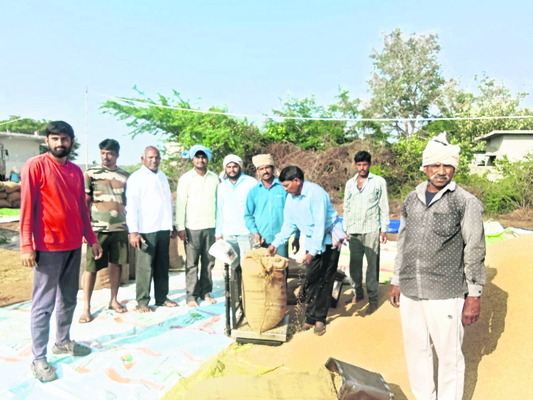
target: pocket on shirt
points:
(445, 224)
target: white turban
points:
(438, 150)
(232, 158)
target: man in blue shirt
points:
(309, 209)
(264, 206)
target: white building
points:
(513, 144)
(18, 148)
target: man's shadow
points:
(481, 339)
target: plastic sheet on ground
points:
(135, 355)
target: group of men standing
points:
(438, 277)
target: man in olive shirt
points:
(195, 220)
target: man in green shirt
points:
(105, 193)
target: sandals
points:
(43, 371)
(319, 329)
(72, 348)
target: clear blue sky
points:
(244, 55)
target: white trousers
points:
(438, 322)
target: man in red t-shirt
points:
(54, 219)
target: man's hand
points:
(97, 251)
(295, 245)
(135, 240)
(271, 251)
(383, 237)
(174, 232)
(182, 235)
(306, 259)
(218, 238)
(394, 296)
(471, 310)
(258, 240)
(28, 259)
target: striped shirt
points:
(366, 210)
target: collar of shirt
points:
(276, 181)
(421, 191)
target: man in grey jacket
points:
(439, 273)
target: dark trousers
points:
(319, 284)
(198, 243)
(365, 244)
(152, 261)
(55, 285)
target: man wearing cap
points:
(195, 220)
(366, 217)
(231, 204)
(439, 273)
(265, 204)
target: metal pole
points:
(228, 299)
(86, 136)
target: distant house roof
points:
(504, 133)
(38, 138)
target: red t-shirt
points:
(53, 211)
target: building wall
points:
(515, 147)
(20, 150)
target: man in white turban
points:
(439, 273)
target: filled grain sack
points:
(4, 203)
(3, 194)
(10, 187)
(13, 196)
(264, 292)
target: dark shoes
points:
(43, 371)
(372, 307)
(72, 349)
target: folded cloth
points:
(337, 234)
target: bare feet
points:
(306, 326)
(192, 303)
(144, 309)
(117, 307)
(86, 317)
(168, 303)
(209, 299)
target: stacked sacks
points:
(9, 195)
(264, 292)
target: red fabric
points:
(53, 212)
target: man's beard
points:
(60, 152)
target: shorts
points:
(114, 250)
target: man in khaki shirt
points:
(195, 220)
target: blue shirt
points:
(313, 214)
(231, 203)
(264, 209)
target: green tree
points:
(187, 126)
(406, 81)
(297, 126)
(29, 126)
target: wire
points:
(124, 99)
(13, 120)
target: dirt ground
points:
(16, 280)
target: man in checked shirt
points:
(439, 273)
(366, 217)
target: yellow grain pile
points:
(497, 348)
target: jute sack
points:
(10, 187)
(13, 196)
(264, 293)
(4, 203)
(3, 194)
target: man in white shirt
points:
(231, 205)
(195, 221)
(149, 220)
